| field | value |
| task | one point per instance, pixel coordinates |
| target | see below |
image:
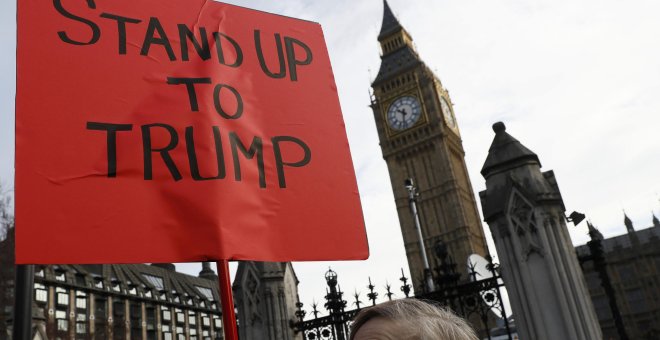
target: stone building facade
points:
(131, 301)
(266, 294)
(6, 282)
(151, 302)
(633, 266)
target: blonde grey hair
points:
(418, 319)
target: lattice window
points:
(192, 319)
(156, 281)
(62, 296)
(208, 293)
(62, 321)
(40, 293)
(636, 300)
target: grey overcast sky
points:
(577, 82)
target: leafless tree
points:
(6, 211)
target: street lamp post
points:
(412, 200)
(335, 305)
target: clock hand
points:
(403, 113)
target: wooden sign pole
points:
(228, 314)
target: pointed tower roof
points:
(506, 151)
(656, 222)
(594, 233)
(399, 54)
(390, 22)
(207, 272)
(628, 223)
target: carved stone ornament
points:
(522, 219)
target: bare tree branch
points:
(6, 211)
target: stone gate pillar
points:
(525, 212)
(265, 294)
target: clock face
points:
(404, 113)
(448, 113)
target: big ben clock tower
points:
(420, 139)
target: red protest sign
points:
(178, 130)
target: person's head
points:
(409, 319)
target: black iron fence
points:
(478, 300)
